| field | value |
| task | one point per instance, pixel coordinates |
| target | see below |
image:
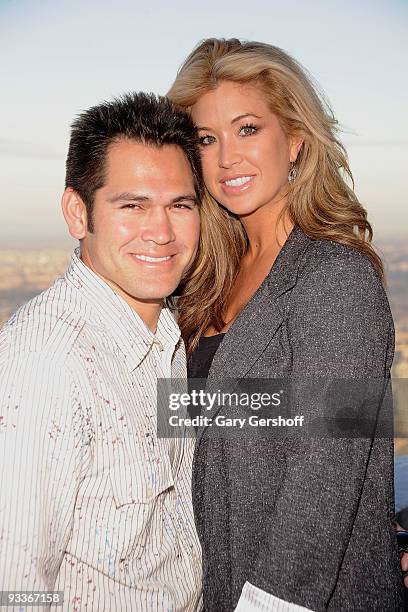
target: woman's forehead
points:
(230, 100)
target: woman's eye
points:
(206, 140)
(247, 130)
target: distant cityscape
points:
(24, 273)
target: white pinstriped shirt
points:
(92, 503)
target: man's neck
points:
(148, 311)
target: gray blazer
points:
(309, 520)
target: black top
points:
(200, 362)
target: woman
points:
(287, 286)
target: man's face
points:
(146, 223)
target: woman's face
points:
(245, 153)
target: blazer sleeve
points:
(340, 326)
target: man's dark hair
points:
(145, 118)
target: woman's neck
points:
(267, 230)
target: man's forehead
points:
(123, 147)
(146, 161)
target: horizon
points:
(37, 242)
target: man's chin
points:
(155, 296)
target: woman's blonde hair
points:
(319, 200)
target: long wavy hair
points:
(321, 201)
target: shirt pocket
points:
(140, 482)
(138, 490)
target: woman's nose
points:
(229, 154)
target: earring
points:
(292, 172)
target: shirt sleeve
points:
(255, 600)
(44, 452)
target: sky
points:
(59, 58)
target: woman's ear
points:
(296, 143)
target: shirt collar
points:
(121, 322)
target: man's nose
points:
(228, 153)
(158, 227)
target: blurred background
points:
(59, 58)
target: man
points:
(92, 502)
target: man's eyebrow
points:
(239, 118)
(182, 198)
(128, 197)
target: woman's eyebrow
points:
(244, 117)
(238, 118)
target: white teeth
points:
(152, 259)
(238, 181)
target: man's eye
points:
(130, 206)
(181, 206)
(206, 140)
(248, 130)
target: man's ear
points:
(75, 215)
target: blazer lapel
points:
(258, 322)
